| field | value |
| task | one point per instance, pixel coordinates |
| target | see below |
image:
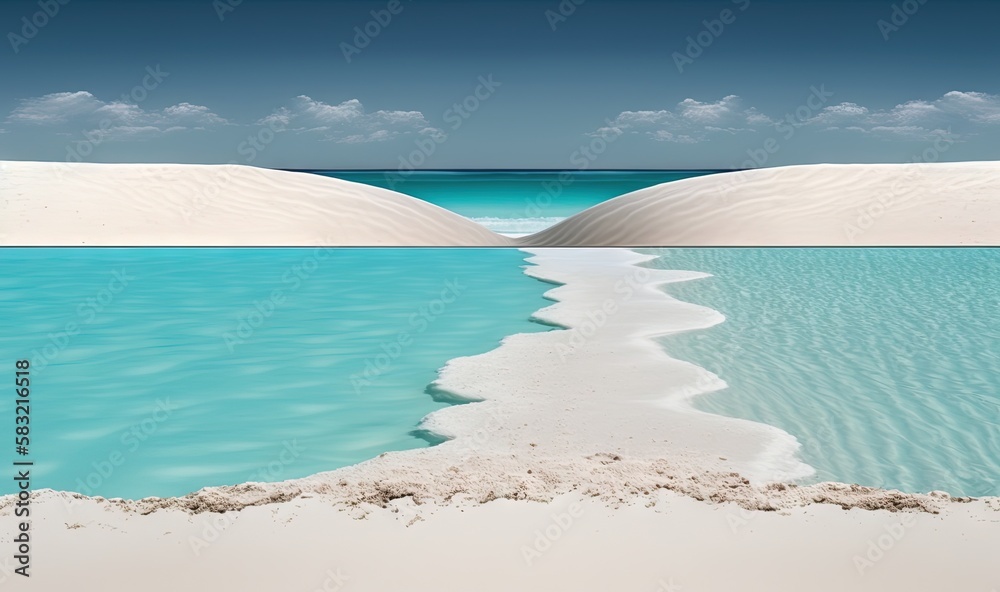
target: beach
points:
(572, 459)
(568, 473)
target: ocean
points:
(156, 372)
(514, 202)
(883, 363)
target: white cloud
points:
(952, 115)
(119, 120)
(916, 119)
(976, 106)
(55, 108)
(690, 122)
(347, 122)
(194, 115)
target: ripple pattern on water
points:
(884, 363)
(162, 389)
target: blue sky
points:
(537, 84)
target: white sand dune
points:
(811, 205)
(63, 204)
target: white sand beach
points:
(582, 466)
(206, 205)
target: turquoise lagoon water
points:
(515, 202)
(161, 389)
(884, 363)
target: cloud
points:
(965, 112)
(117, 119)
(691, 121)
(952, 115)
(347, 122)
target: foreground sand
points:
(202, 205)
(678, 545)
(582, 468)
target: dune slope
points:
(809, 205)
(204, 205)
(62, 204)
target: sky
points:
(544, 84)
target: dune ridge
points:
(60, 204)
(806, 205)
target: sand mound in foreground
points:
(64, 204)
(809, 205)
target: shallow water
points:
(883, 363)
(162, 389)
(187, 369)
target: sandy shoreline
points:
(583, 464)
(568, 473)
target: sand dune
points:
(812, 205)
(63, 204)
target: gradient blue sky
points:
(608, 70)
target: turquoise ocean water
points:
(161, 371)
(884, 363)
(515, 202)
